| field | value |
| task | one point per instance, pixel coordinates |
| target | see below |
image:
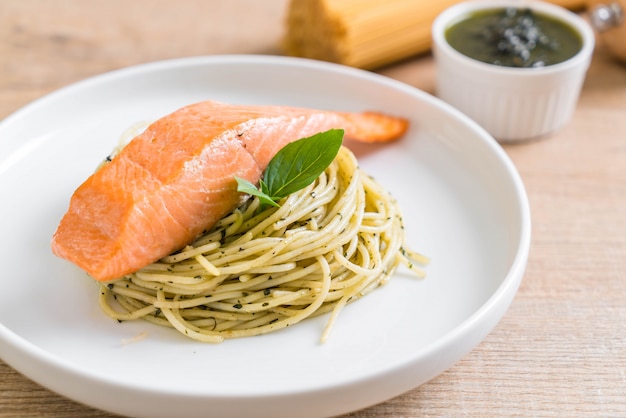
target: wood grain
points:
(559, 351)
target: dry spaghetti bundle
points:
(258, 271)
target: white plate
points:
(464, 204)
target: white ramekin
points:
(511, 103)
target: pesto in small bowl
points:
(514, 37)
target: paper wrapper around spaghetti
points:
(366, 34)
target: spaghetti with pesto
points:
(258, 271)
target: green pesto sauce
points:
(514, 37)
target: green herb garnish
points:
(294, 167)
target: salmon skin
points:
(176, 179)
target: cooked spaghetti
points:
(259, 271)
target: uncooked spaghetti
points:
(259, 271)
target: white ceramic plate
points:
(464, 205)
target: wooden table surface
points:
(559, 350)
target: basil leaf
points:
(294, 167)
(245, 186)
(299, 163)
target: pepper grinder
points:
(607, 18)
